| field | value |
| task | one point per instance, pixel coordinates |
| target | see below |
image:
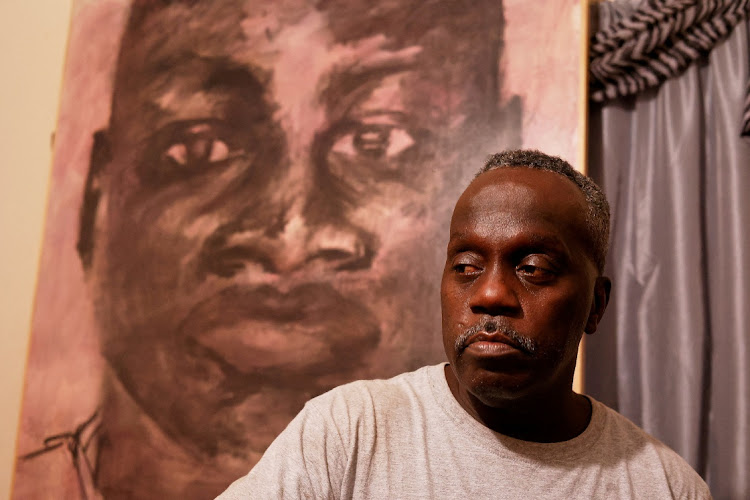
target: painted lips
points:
(312, 328)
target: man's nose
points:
(296, 239)
(495, 293)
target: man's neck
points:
(558, 415)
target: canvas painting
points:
(249, 206)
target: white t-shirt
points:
(408, 438)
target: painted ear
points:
(602, 288)
(101, 155)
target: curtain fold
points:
(673, 351)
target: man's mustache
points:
(493, 326)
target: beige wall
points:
(33, 37)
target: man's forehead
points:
(522, 192)
(534, 180)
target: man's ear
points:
(101, 155)
(602, 288)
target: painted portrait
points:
(249, 207)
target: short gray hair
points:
(597, 218)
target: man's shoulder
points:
(630, 435)
(382, 388)
(642, 450)
(377, 395)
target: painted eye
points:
(196, 146)
(374, 141)
(195, 152)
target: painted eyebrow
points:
(217, 75)
(223, 74)
(344, 80)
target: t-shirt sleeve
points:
(306, 460)
(684, 482)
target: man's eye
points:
(374, 141)
(529, 269)
(532, 272)
(465, 269)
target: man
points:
(260, 219)
(522, 282)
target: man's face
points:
(519, 287)
(267, 226)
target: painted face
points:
(519, 285)
(267, 227)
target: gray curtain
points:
(673, 351)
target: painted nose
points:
(290, 244)
(331, 245)
(302, 223)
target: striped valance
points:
(658, 39)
